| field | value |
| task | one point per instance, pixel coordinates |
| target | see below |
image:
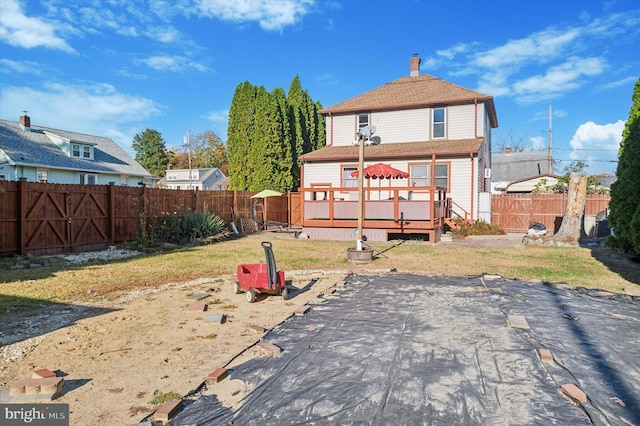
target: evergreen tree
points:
(239, 133)
(625, 192)
(282, 178)
(151, 152)
(295, 98)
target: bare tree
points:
(517, 144)
(572, 221)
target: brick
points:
(42, 374)
(168, 410)
(302, 310)
(45, 388)
(217, 375)
(517, 321)
(218, 318)
(256, 329)
(268, 348)
(573, 392)
(545, 356)
(201, 307)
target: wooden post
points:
(112, 213)
(22, 231)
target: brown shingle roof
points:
(413, 92)
(395, 150)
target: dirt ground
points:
(116, 357)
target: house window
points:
(87, 178)
(363, 121)
(349, 181)
(172, 176)
(81, 151)
(439, 121)
(420, 175)
(42, 175)
(4, 176)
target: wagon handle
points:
(272, 272)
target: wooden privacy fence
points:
(41, 218)
(515, 212)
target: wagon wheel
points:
(237, 288)
(251, 296)
(285, 294)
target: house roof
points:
(518, 165)
(413, 92)
(203, 175)
(35, 149)
(395, 150)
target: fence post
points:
(112, 213)
(22, 188)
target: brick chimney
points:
(507, 150)
(415, 65)
(25, 121)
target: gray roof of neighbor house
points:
(394, 150)
(204, 174)
(34, 148)
(413, 92)
(518, 165)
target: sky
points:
(117, 67)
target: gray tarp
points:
(402, 349)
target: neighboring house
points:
(438, 132)
(520, 171)
(210, 179)
(42, 154)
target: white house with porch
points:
(435, 131)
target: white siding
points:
(402, 126)
(460, 122)
(344, 128)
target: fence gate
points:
(512, 213)
(295, 208)
(63, 218)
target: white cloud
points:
(22, 67)
(220, 120)
(17, 29)
(178, 64)
(537, 143)
(96, 109)
(541, 47)
(271, 15)
(623, 82)
(557, 80)
(596, 144)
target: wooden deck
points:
(332, 213)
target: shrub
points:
(185, 228)
(479, 227)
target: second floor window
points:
(80, 151)
(172, 176)
(363, 121)
(439, 122)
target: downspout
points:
(473, 173)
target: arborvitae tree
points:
(625, 192)
(241, 122)
(267, 133)
(320, 128)
(151, 152)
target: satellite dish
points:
(367, 131)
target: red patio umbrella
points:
(381, 171)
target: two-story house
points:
(42, 154)
(437, 132)
(206, 179)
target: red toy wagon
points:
(260, 278)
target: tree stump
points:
(572, 221)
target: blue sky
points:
(117, 67)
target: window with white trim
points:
(349, 181)
(363, 121)
(4, 176)
(439, 122)
(81, 151)
(172, 176)
(87, 178)
(42, 175)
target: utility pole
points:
(550, 156)
(188, 141)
